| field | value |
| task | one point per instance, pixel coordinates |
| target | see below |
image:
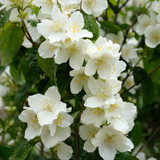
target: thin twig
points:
(154, 133)
(78, 143)
(124, 4)
(141, 80)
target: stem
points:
(28, 34)
(154, 133)
(42, 149)
(128, 74)
(78, 144)
(140, 80)
(116, 14)
(124, 4)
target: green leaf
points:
(11, 38)
(114, 2)
(14, 73)
(137, 133)
(2, 124)
(5, 152)
(30, 67)
(47, 65)
(5, 17)
(21, 151)
(91, 25)
(146, 85)
(139, 74)
(124, 26)
(110, 26)
(21, 96)
(125, 156)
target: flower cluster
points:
(47, 117)
(149, 25)
(96, 66)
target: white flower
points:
(53, 29)
(79, 81)
(101, 90)
(64, 151)
(143, 22)
(88, 132)
(58, 131)
(95, 116)
(103, 59)
(120, 114)
(109, 140)
(47, 50)
(74, 27)
(102, 47)
(30, 117)
(46, 5)
(115, 38)
(129, 52)
(69, 6)
(75, 54)
(6, 4)
(152, 34)
(50, 140)
(156, 6)
(95, 7)
(47, 106)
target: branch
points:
(154, 133)
(140, 80)
(78, 144)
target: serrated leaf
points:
(21, 151)
(11, 39)
(91, 25)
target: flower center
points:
(96, 111)
(48, 105)
(75, 28)
(112, 107)
(56, 26)
(101, 93)
(49, 2)
(60, 119)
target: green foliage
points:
(91, 25)
(11, 38)
(30, 67)
(137, 134)
(47, 65)
(110, 26)
(21, 151)
(125, 156)
(5, 17)
(21, 96)
(147, 88)
(5, 152)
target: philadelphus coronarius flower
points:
(95, 7)
(108, 140)
(47, 117)
(142, 156)
(94, 67)
(152, 34)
